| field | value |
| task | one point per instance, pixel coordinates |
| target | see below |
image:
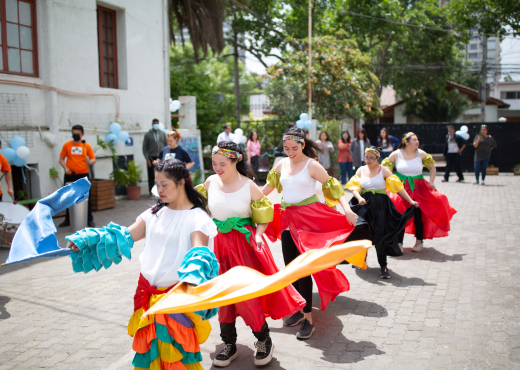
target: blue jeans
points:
(480, 166)
(384, 155)
(346, 167)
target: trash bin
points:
(78, 214)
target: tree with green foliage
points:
(438, 105)
(342, 82)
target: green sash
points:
(305, 202)
(235, 223)
(410, 179)
(381, 191)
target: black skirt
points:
(384, 220)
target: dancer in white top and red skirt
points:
(432, 218)
(242, 212)
(303, 223)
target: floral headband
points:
(407, 136)
(227, 153)
(293, 137)
(373, 151)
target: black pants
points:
(303, 285)
(417, 220)
(151, 174)
(453, 161)
(72, 178)
(228, 332)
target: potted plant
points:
(516, 170)
(129, 178)
(491, 170)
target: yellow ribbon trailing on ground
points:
(242, 283)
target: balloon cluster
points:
(239, 137)
(304, 122)
(18, 152)
(174, 105)
(116, 133)
(463, 132)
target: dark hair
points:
(306, 132)
(78, 127)
(176, 171)
(243, 167)
(251, 135)
(402, 144)
(387, 138)
(226, 126)
(343, 140)
(365, 137)
(451, 126)
(311, 148)
(326, 134)
(154, 120)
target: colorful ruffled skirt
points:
(165, 341)
(232, 249)
(315, 226)
(436, 210)
(384, 219)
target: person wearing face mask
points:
(76, 155)
(154, 141)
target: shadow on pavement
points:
(430, 254)
(3, 311)
(372, 275)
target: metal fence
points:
(433, 135)
(270, 134)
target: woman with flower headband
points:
(242, 213)
(371, 202)
(303, 223)
(432, 218)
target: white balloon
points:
(161, 126)
(458, 133)
(174, 105)
(243, 139)
(239, 132)
(465, 135)
(236, 139)
(23, 152)
(464, 128)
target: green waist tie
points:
(410, 179)
(235, 223)
(381, 191)
(305, 202)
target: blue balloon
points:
(308, 124)
(165, 130)
(300, 124)
(19, 162)
(17, 141)
(8, 153)
(304, 117)
(115, 128)
(111, 138)
(123, 136)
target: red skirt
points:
(436, 210)
(232, 249)
(315, 226)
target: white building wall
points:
(68, 59)
(399, 117)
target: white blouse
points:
(226, 205)
(168, 239)
(297, 187)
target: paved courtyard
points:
(455, 305)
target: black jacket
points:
(460, 142)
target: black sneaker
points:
(294, 319)
(64, 224)
(444, 180)
(460, 180)
(264, 352)
(384, 273)
(228, 354)
(306, 330)
(91, 224)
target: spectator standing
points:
(154, 141)
(453, 147)
(345, 158)
(76, 155)
(174, 150)
(387, 143)
(357, 149)
(253, 151)
(226, 135)
(327, 148)
(483, 144)
(5, 169)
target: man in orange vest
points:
(5, 169)
(79, 156)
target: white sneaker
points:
(401, 247)
(419, 246)
(483, 183)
